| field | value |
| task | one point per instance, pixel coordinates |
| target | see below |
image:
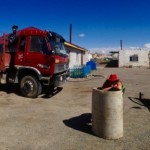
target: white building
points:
(134, 58)
(78, 56)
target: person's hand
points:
(119, 85)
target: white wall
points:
(86, 57)
(75, 58)
(124, 58)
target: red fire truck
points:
(33, 58)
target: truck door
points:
(1, 57)
(36, 55)
(2, 52)
(21, 50)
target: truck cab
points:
(37, 58)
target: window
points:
(38, 44)
(134, 58)
(1, 48)
(22, 44)
(57, 44)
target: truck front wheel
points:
(30, 87)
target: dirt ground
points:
(60, 120)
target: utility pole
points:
(70, 33)
(121, 44)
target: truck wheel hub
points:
(28, 86)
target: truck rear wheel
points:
(30, 87)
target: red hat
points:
(113, 77)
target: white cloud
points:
(147, 45)
(82, 35)
(104, 50)
(132, 48)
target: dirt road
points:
(60, 120)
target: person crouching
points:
(112, 84)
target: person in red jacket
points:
(112, 83)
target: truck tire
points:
(30, 87)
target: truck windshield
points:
(57, 44)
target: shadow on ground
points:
(81, 123)
(112, 63)
(14, 88)
(48, 93)
(10, 88)
(141, 102)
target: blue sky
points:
(96, 24)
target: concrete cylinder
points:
(107, 114)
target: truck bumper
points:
(61, 79)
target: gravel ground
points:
(60, 119)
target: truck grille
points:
(61, 67)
